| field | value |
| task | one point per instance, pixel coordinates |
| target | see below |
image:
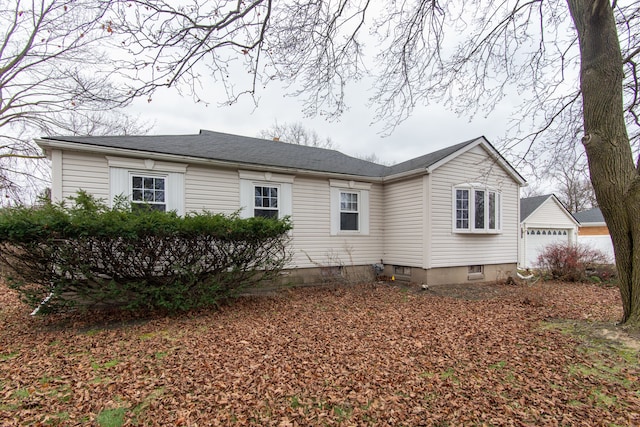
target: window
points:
(265, 194)
(148, 191)
(475, 272)
(479, 209)
(462, 209)
(349, 214)
(265, 202)
(493, 217)
(146, 182)
(476, 210)
(349, 207)
(400, 270)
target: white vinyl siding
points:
(549, 213)
(215, 190)
(313, 243)
(84, 171)
(404, 222)
(450, 248)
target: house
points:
(594, 232)
(446, 217)
(543, 220)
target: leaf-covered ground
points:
(363, 355)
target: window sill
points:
(350, 233)
(480, 232)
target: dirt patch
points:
(470, 291)
(630, 339)
(606, 334)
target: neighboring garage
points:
(543, 220)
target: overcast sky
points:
(428, 129)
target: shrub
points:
(91, 254)
(570, 262)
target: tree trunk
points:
(614, 176)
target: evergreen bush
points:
(89, 254)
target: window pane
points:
(349, 202)
(148, 183)
(266, 197)
(148, 196)
(462, 209)
(159, 196)
(479, 209)
(348, 221)
(266, 213)
(137, 182)
(135, 207)
(137, 195)
(492, 211)
(159, 184)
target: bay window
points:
(476, 210)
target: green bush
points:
(92, 255)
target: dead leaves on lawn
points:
(357, 356)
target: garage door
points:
(539, 238)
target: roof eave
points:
(128, 152)
(404, 175)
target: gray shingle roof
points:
(255, 151)
(530, 204)
(428, 159)
(591, 215)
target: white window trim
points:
(472, 188)
(279, 198)
(251, 179)
(143, 175)
(121, 170)
(357, 211)
(360, 188)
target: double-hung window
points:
(349, 211)
(265, 201)
(148, 191)
(265, 194)
(349, 207)
(147, 184)
(476, 210)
